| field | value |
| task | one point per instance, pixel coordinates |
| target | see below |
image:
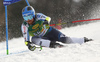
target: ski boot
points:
(55, 45)
(87, 40)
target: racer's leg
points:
(55, 35)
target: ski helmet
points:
(28, 10)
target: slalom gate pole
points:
(6, 20)
(75, 21)
(6, 3)
(27, 2)
(57, 24)
(85, 20)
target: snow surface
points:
(87, 52)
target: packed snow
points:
(87, 52)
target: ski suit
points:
(43, 34)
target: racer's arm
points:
(42, 17)
(47, 20)
(26, 36)
(25, 33)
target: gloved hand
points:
(47, 20)
(30, 45)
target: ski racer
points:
(36, 26)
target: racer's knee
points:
(66, 40)
(41, 42)
(63, 39)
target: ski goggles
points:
(29, 17)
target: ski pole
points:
(40, 45)
(40, 48)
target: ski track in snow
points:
(87, 52)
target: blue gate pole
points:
(6, 30)
(27, 2)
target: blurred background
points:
(64, 10)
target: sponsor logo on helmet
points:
(26, 14)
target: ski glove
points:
(47, 20)
(30, 45)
